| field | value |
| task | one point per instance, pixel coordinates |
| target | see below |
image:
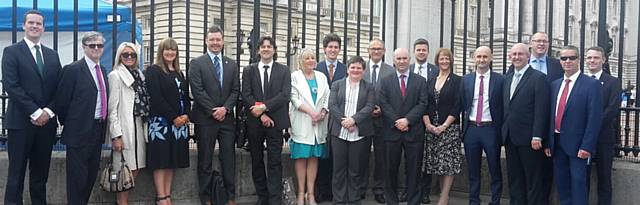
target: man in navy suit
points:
(421, 65)
(482, 101)
(525, 128)
(541, 61)
(575, 121)
(611, 89)
(30, 73)
(82, 107)
(334, 71)
(403, 101)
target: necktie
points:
(420, 70)
(514, 84)
(265, 81)
(594, 77)
(562, 104)
(102, 92)
(331, 66)
(216, 66)
(403, 86)
(374, 75)
(480, 101)
(39, 61)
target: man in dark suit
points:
(266, 87)
(403, 101)
(575, 121)
(482, 101)
(334, 71)
(427, 70)
(375, 70)
(526, 114)
(82, 106)
(541, 61)
(215, 86)
(611, 90)
(30, 73)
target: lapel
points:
(523, 80)
(555, 89)
(574, 90)
(25, 49)
(470, 87)
(492, 83)
(306, 93)
(362, 94)
(124, 74)
(87, 72)
(210, 65)
(256, 78)
(367, 72)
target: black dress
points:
(168, 146)
(443, 153)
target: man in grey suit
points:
(215, 86)
(375, 70)
(403, 101)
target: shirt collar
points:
(406, 73)
(213, 55)
(573, 77)
(598, 74)
(371, 63)
(30, 44)
(521, 70)
(261, 64)
(90, 62)
(486, 75)
(533, 58)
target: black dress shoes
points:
(425, 199)
(379, 198)
(402, 196)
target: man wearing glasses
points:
(540, 60)
(30, 75)
(575, 121)
(82, 109)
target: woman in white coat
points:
(308, 115)
(128, 109)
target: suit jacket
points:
(611, 90)
(412, 106)
(28, 90)
(76, 104)
(554, 69)
(526, 114)
(340, 71)
(207, 93)
(495, 98)
(448, 102)
(432, 70)
(582, 116)
(164, 95)
(302, 128)
(384, 70)
(364, 106)
(277, 98)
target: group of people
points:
(544, 111)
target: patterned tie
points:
(514, 85)
(562, 104)
(103, 93)
(331, 66)
(374, 75)
(480, 101)
(39, 61)
(420, 70)
(403, 86)
(216, 66)
(265, 81)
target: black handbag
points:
(218, 191)
(117, 181)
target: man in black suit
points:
(266, 87)
(482, 101)
(403, 101)
(541, 61)
(526, 117)
(374, 71)
(30, 73)
(334, 71)
(215, 86)
(82, 107)
(611, 90)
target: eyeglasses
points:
(94, 46)
(129, 55)
(376, 49)
(565, 58)
(540, 41)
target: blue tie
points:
(216, 66)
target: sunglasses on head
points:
(95, 46)
(129, 55)
(565, 58)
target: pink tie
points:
(562, 104)
(480, 101)
(103, 93)
(403, 87)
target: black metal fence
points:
(302, 23)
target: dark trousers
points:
(269, 190)
(207, 137)
(425, 180)
(32, 145)
(83, 163)
(604, 164)
(323, 179)
(477, 140)
(349, 158)
(413, 151)
(571, 177)
(379, 169)
(525, 174)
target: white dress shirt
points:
(424, 72)
(573, 78)
(371, 64)
(486, 113)
(92, 70)
(261, 69)
(32, 48)
(350, 107)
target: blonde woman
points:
(128, 110)
(308, 115)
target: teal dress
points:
(303, 151)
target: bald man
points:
(482, 102)
(526, 120)
(403, 99)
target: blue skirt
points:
(304, 151)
